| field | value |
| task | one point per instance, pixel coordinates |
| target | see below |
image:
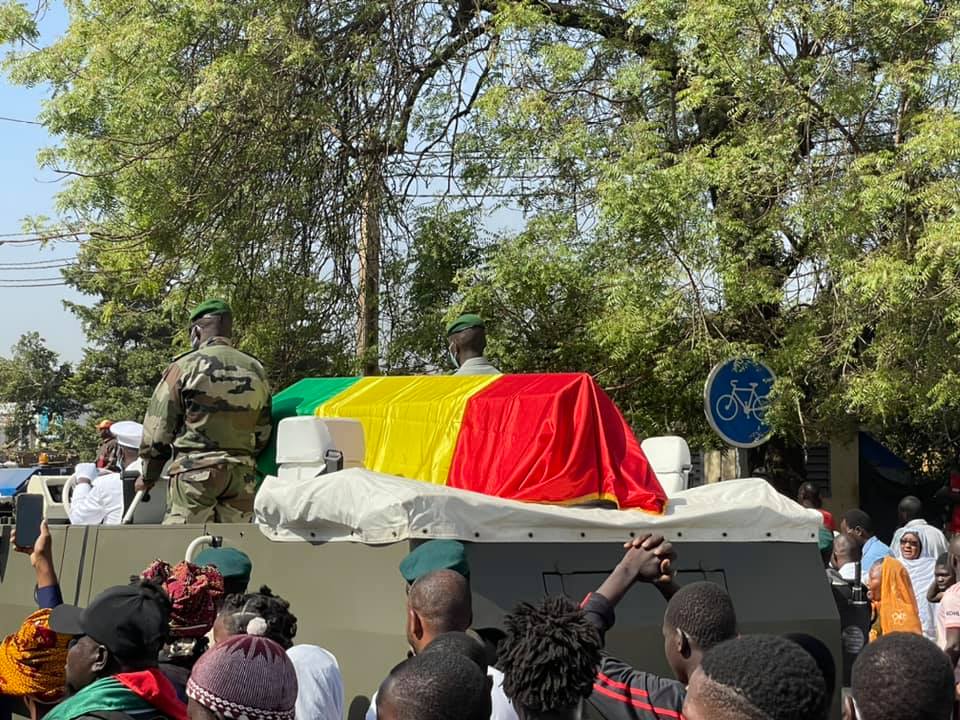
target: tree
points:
(34, 379)
(777, 180)
(253, 149)
(444, 244)
(685, 181)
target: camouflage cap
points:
(435, 555)
(210, 307)
(464, 322)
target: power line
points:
(19, 120)
(39, 264)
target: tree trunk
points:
(368, 338)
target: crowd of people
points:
(190, 640)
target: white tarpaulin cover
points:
(358, 505)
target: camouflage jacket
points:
(212, 406)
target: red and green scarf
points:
(136, 692)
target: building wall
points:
(844, 476)
(722, 465)
(844, 480)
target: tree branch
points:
(615, 28)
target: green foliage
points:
(444, 244)
(36, 382)
(680, 182)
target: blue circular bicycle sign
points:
(736, 398)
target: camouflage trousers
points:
(221, 493)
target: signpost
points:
(735, 399)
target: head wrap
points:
(210, 307)
(464, 322)
(194, 593)
(319, 682)
(104, 424)
(245, 677)
(33, 660)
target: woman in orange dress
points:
(891, 595)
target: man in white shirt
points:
(98, 499)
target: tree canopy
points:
(634, 188)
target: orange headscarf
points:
(33, 660)
(897, 609)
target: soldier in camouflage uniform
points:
(211, 413)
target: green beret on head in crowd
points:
(210, 307)
(464, 322)
(435, 555)
(233, 564)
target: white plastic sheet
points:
(358, 505)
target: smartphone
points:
(29, 515)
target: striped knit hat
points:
(245, 677)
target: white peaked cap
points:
(128, 433)
(87, 471)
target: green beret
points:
(210, 307)
(435, 555)
(464, 322)
(233, 564)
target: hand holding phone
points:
(29, 517)
(41, 556)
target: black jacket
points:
(619, 691)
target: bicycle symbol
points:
(742, 398)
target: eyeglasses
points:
(908, 541)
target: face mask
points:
(453, 355)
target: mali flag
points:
(539, 438)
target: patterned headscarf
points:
(194, 592)
(33, 660)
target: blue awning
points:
(13, 479)
(887, 464)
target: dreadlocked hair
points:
(260, 613)
(550, 655)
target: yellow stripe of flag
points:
(410, 424)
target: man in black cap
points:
(112, 661)
(467, 338)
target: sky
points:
(27, 191)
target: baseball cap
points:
(131, 621)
